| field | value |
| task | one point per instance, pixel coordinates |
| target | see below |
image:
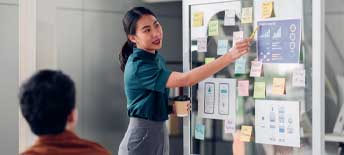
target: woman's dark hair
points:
(129, 24)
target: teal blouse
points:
(145, 78)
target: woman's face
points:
(148, 34)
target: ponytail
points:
(127, 50)
(129, 24)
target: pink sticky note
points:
(256, 68)
(243, 86)
(229, 126)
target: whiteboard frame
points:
(318, 72)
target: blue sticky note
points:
(240, 66)
(222, 47)
(199, 131)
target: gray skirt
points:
(145, 137)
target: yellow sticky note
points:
(245, 133)
(259, 90)
(208, 60)
(268, 9)
(278, 86)
(213, 28)
(246, 15)
(198, 19)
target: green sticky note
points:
(208, 60)
(240, 66)
(259, 90)
(199, 131)
(213, 28)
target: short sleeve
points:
(151, 76)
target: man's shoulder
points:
(97, 148)
(75, 146)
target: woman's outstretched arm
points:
(178, 79)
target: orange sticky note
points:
(245, 133)
(278, 86)
(243, 87)
(268, 9)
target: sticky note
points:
(243, 87)
(213, 28)
(278, 86)
(208, 60)
(229, 125)
(229, 18)
(246, 15)
(222, 47)
(202, 44)
(199, 131)
(256, 68)
(240, 65)
(245, 133)
(198, 19)
(299, 78)
(268, 9)
(237, 36)
(259, 90)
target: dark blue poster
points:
(279, 41)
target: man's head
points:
(47, 101)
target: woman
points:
(147, 82)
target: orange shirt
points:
(66, 143)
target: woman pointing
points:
(147, 82)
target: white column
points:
(27, 60)
(318, 74)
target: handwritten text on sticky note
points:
(229, 18)
(299, 78)
(267, 9)
(198, 19)
(246, 15)
(245, 133)
(213, 28)
(229, 126)
(278, 86)
(199, 131)
(240, 65)
(222, 47)
(259, 90)
(243, 87)
(202, 44)
(237, 36)
(256, 68)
